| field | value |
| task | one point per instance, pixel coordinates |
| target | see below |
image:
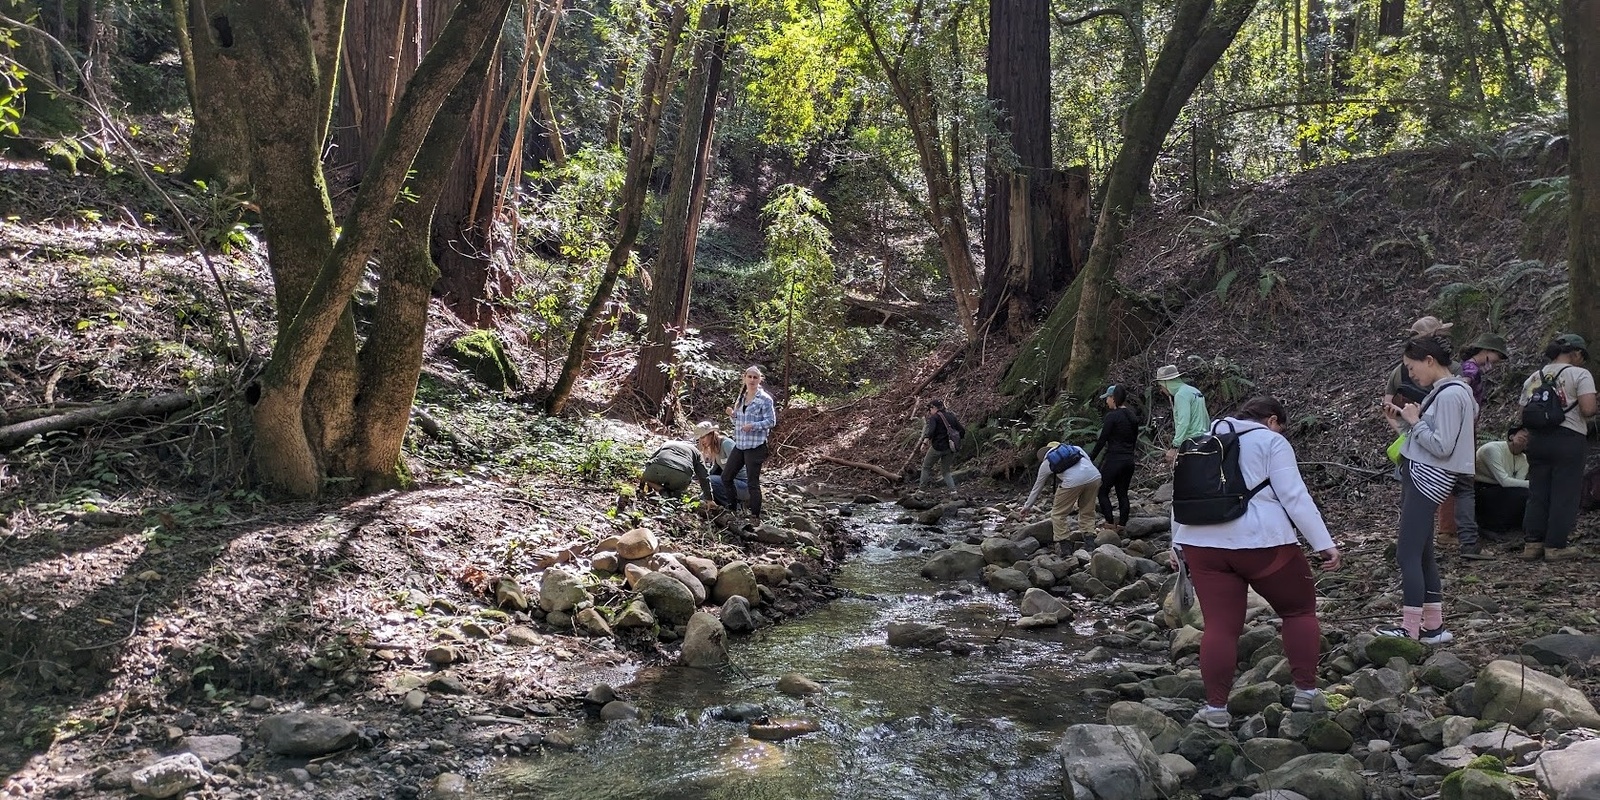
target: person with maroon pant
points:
(1259, 550)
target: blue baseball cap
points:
(1110, 390)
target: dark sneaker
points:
(1475, 552)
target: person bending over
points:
(1501, 480)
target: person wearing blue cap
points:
(1119, 438)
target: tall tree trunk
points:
(630, 205)
(219, 151)
(1580, 21)
(1391, 17)
(673, 272)
(383, 43)
(1026, 249)
(1200, 33)
(552, 127)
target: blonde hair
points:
(712, 451)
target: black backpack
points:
(1207, 485)
(1543, 410)
(1064, 457)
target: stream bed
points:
(894, 723)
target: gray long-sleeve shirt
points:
(1444, 436)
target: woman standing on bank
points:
(1556, 452)
(754, 415)
(1119, 438)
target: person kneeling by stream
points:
(672, 467)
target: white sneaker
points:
(1307, 700)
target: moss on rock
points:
(484, 355)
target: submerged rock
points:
(916, 634)
(778, 730)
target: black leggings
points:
(751, 461)
(1115, 475)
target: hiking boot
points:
(1214, 717)
(1436, 636)
(1308, 700)
(1474, 552)
(1562, 554)
(1532, 551)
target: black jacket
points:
(938, 435)
(1119, 436)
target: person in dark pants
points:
(1556, 454)
(673, 467)
(754, 415)
(1502, 482)
(1119, 438)
(942, 434)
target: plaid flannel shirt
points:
(760, 414)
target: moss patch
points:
(484, 355)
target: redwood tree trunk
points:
(630, 205)
(1580, 21)
(673, 273)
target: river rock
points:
(736, 616)
(1445, 671)
(1109, 565)
(1042, 531)
(667, 565)
(591, 620)
(213, 749)
(169, 777)
(1033, 621)
(1162, 731)
(778, 730)
(916, 634)
(618, 711)
(1132, 594)
(668, 598)
(447, 786)
(960, 562)
(1268, 753)
(1382, 648)
(1113, 762)
(303, 733)
(1379, 683)
(1278, 794)
(1502, 742)
(1563, 649)
(637, 543)
(1008, 580)
(737, 578)
(1319, 776)
(636, 614)
(1571, 774)
(1186, 642)
(1141, 527)
(1478, 784)
(770, 574)
(605, 561)
(633, 573)
(561, 590)
(508, 594)
(793, 683)
(1038, 601)
(1508, 692)
(706, 643)
(1326, 736)
(703, 569)
(1253, 698)
(1002, 551)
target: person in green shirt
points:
(1502, 481)
(1189, 415)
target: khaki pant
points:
(1083, 498)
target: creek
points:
(894, 723)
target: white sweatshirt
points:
(1078, 474)
(1275, 512)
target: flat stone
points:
(1571, 774)
(217, 749)
(1563, 649)
(169, 777)
(522, 636)
(777, 730)
(1319, 776)
(1509, 692)
(302, 733)
(1268, 753)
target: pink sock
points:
(1432, 616)
(1411, 620)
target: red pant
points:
(1282, 576)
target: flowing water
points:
(894, 723)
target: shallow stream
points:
(894, 723)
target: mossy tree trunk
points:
(1581, 24)
(219, 148)
(305, 402)
(673, 272)
(656, 87)
(1201, 32)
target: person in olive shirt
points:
(1189, 415)
(1501, 482)
(673, 466)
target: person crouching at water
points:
(1259, 550)
(672, 467)
(726, 489)
(1439, 450)
(754, 415)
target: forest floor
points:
(147, 594)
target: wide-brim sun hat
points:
(1046, 449)
(1491, 341)
(702, 428)
(1169, 372)
(1429, 326)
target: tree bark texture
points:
(1580, 25)
(673, 272)
(305, 405)
(630, 205)
(219, 151)
(1200, 33)
(1027, 248)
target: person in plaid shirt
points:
(754, 415)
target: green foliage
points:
(12, 84)
(1547, 197)
(802, 319)
(1490, 294)
(1220, 378)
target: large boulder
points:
(169, 777)
(1039, 601)
(302, 733)
(667, 565)
(1162, 731)
(218, 749)
(1107, 567)
(1319, 776)
(1002, 551)
(736, 615)
(1008, 580)
(1509, 692)
(561, 590)
(667, 597)
(482, 354)
(736, 578)
(1563, 649)
(1113, 762)
(706, 642)
(916, 634)
(963, 562)
(1571, 774)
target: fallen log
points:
(158, 406)
(887, 475)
